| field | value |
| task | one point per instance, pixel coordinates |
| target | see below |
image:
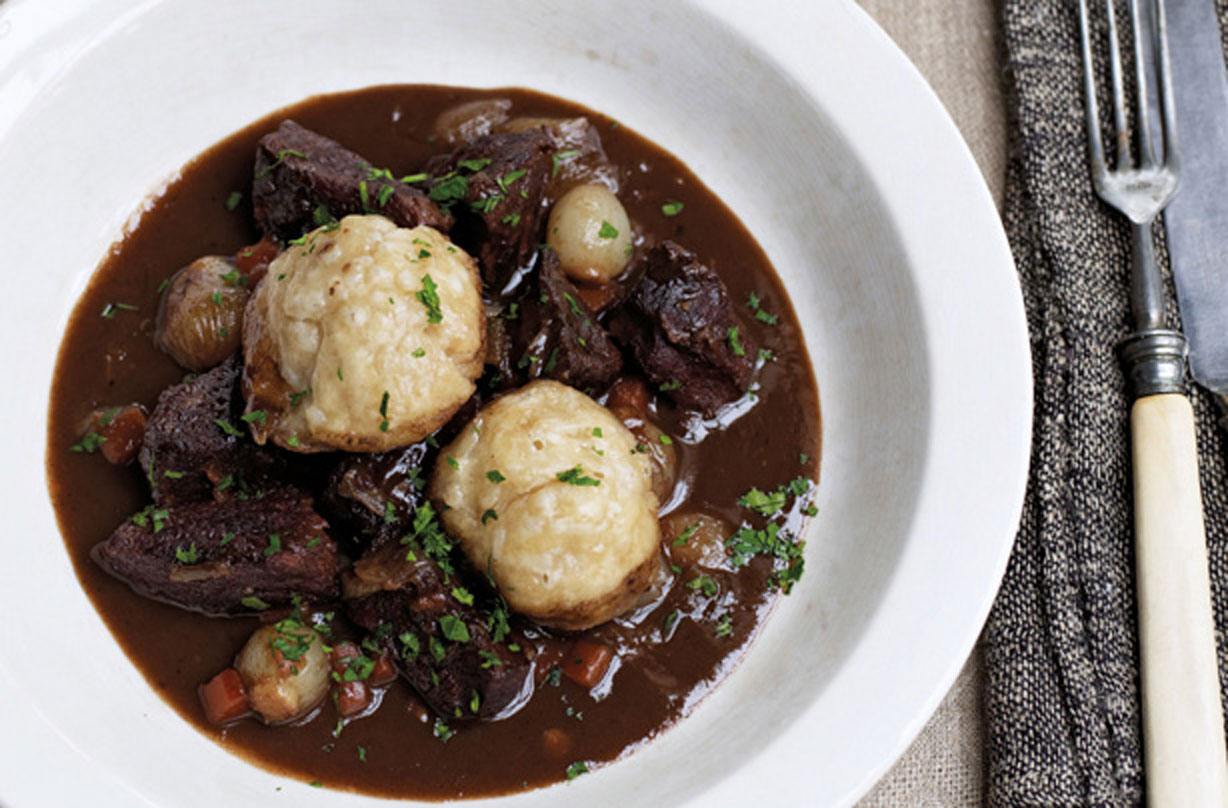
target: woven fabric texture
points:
(1060, 647)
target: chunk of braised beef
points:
(196, 444)
(576, 156)
(374, 495)
(683, 331)
(442, 645)
(496, 185)
(299, 171)
(232, 557)
(557, 336)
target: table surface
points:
(956, 44)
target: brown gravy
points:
(393, 752)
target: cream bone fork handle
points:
(1185, 759)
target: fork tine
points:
(1172, 157)
(1124, 160)
(1094, 144)
(1142, 72)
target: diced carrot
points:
(254, 259)
(384, 672)
(124, 432)
(597, 297)
(587, 662)
(341, 655)
(223, 697)
(352, 698)
(629, 391)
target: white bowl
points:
(802, 117)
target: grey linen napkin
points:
(1061, 648)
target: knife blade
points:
(1197, 218)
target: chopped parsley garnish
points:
(555, 676)
(666, 440)
(507, 179)
(512, 219)
(559, 157)
(158, 516)
(685, 535)
(188, 556)
(216, 297)
(607, 230)
(89, 444)
(173, 475)
(449, 189)
(475, 701)
(462, 595)
(474, 165)
(385, 193)
(253, 602)
(575, 476)
(297, 398)
(233, 200)
(490, 660)
(495, 476)
(227, 539)
(735, 343)
(418, 353)
(672, 384)
(227, 427)
(488, 514)
(390, 513)
(428, 296)
(442, 731)
(358, 668)
(597, 432)
(724, 628)
(291, 639)
(410, 179)
(430, 537)
(437, 649)
(233, 278)
(671, 208)
(575, 307)
(255, 416)
(109, 310)
(273, 546)
(292, 440)
(452, 462)
(670, 620)
(703, 583)
(497, 620)
(281, 158)
(454, 628)
(410, 646)
(322, 216)
(576, 769)
(752, 301)
(362, 754)
(766, 504)
(383, 411)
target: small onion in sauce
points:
(200, 317)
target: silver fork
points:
(1183, 731)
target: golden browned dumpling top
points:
(546, 491)
(364, 337)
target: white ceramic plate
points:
(811, 126)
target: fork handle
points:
(1183, 726)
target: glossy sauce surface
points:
(666, 660)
